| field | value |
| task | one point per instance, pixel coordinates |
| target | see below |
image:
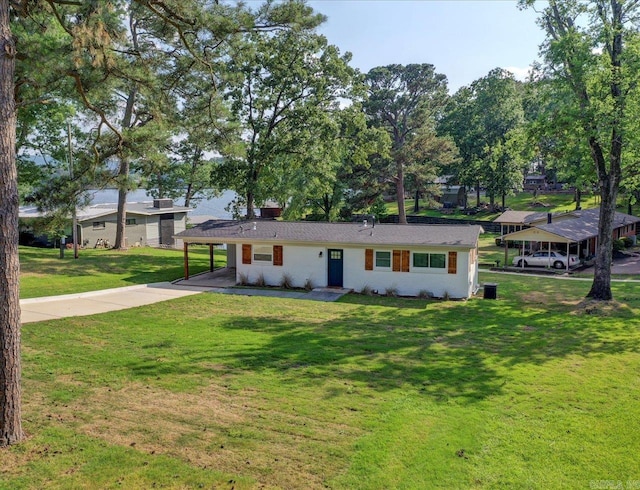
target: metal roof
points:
(227, 231)
(519, 217)
(98, 210)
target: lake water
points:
(211, 207)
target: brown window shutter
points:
(405, 260)
(246, 253)
(453, 263)
(368, 259)
(277, 255)
(397, 260)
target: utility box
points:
(490, 291)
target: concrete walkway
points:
(90, 303)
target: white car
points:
(555, 259)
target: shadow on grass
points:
(459, 350)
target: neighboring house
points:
(147, 223)
(535, 182)
(574, 231)
(452, 196)
(410, 259)
(511, 221)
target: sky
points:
(463, 39)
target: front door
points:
(335, 268)
(167, 229)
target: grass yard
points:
(538, 389)
(522, 201)
(103, 269)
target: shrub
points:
(628, 241)
(260, 282)
(366, 290)
(618, 245)
(391, 291)
(424, 294)
(244, 279)
(308, 284)
(286, 282)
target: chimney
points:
(549, 218)
(163, 203)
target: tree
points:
(481, 118)
(592, 47)
(188, 174)
(283, 90)
(82, 49)
(10, 367)
(429, 155)
(347, 158)
(401, 100)
(554, 139)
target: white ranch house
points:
(410, 259)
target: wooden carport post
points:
(506, 251)
(186, 260)
(211, 261)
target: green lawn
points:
(535, 390)
(43, 273)
(522, 201)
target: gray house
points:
(147, 223)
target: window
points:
(99, 225)
(383, 259)
(437, 261)
(131, 221)
(433, 261)
(263, 254)
(420, 260)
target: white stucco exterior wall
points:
(302, 263)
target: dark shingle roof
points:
(585, 224)
(463, 236)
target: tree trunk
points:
(250, 205)
(416, 203)
(601, 287)
(187, 196)
(478, 194)
(10, 368)
(578, 199)
(326, 201)
(121, 219)
(402, 213)
(123, 174)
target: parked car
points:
(544, 258)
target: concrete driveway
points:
(626, 265)
(54, 307)
(91, 303)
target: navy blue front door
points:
(335, 268)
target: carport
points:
(539, 235)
